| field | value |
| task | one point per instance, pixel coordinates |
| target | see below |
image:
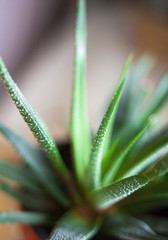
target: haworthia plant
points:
(120, 171)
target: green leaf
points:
(37, 163)
(33, 120)
(95, 163)
(32, 201)
(20, 175)
(117, 161)
(25, 217)
(146, 150)
(81, 140)
(133, 94)
(151, 197)
(108, 156)
(136, 115)
(117, 191)
(73, 227)
(147, 157)
(126, 227)
(108, 196)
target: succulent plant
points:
(118, 180)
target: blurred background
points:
(37, 45)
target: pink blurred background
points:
(37, 45)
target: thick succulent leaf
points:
(73, 227)
(95, 163)
(20, 175)
(117, 161)
(151, 197)
(81, 140)
(32, 201)
(25, 217)
(130, 228)
(33, 120)
(108, 196)
(36, 162)
(157, 223)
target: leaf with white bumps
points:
(33, 120)
(108, 196)
(95, 162)
(73, 227)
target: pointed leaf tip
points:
(102, 135)
(33, 120)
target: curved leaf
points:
(108, 196)
(95, 162)
(81, 140)
(33, 120)
(73, 227)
